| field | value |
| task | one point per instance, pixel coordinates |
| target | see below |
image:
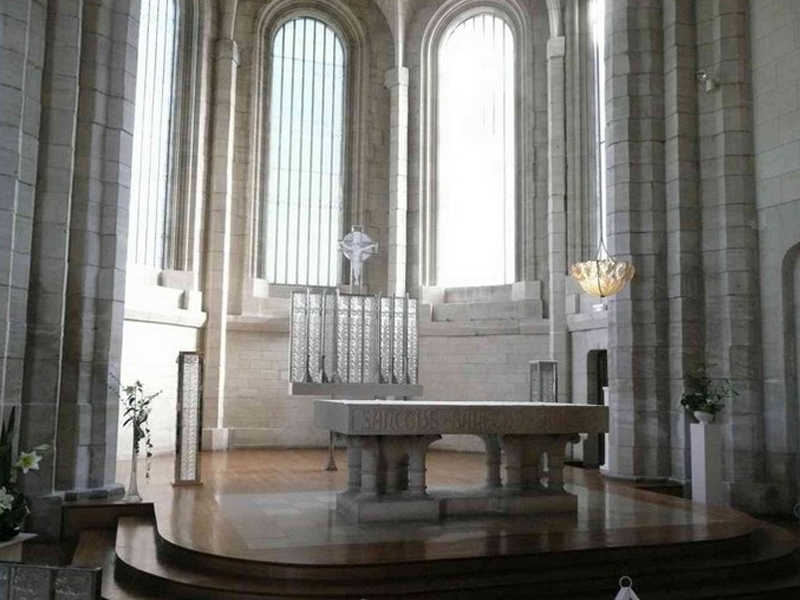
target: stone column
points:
(417, 451)
(50, 245)
(353, 464)
(217, 267)
(22, 33)
(393, 454)
(730, 246)
(684, 262)
(557, 197)
(98, 232)
(556, 451)
(532, 452)
(370, 461)
(397, 82)
(513, 450)
(638, 320)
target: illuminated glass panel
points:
(476, 158)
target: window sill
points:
(149, 299)
(263, 299)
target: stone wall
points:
(452, 367)
(775, 48)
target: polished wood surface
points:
(276, 506)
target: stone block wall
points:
(260, 410)
(452, 367)
(774, 29)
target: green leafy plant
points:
(137, 406)
(13, 503)
(704, 394)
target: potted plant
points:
(704, 397)
(13, 503)
(137, 406)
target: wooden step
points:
(755, 558)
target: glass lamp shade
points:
(602, 277)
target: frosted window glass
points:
(152, 133)
(597, 12)
(305, 158)
(476, 162)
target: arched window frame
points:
(517, 15)
(340, 18)
(184, 210)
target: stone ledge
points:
(178, 317)
(478, 328)
(258, 324)
(587, 322)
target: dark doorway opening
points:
(594, 447)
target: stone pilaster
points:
(730, 243)
(557, 211)
(397, 82)
(638, 317)
(217, 282)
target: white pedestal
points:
(11, 551)
(706, 463)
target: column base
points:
(454, 503)
(387, 508)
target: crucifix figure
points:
(357, 247)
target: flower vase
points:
(703, 417)
(133, 485)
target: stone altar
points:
(387, 442)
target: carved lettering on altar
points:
(382, 419)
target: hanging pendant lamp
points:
(604, 276)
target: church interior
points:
(399, 299)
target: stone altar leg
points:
(532, 450)
(417, 450)
(402, 473)
(393, 453)
(512, 447)
(493, 460)
(354, 445)
(370, 459)
(556, 450)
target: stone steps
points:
(743, 565)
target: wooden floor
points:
(263, 527)
(277, 506)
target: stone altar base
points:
(387, 444)
(440, 504)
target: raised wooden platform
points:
(264, 527)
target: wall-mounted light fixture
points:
(709, 82)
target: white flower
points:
(28, 461)
(6, 500)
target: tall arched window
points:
(151, 170)
(597, 16)
(305, 143)
(476, 153)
